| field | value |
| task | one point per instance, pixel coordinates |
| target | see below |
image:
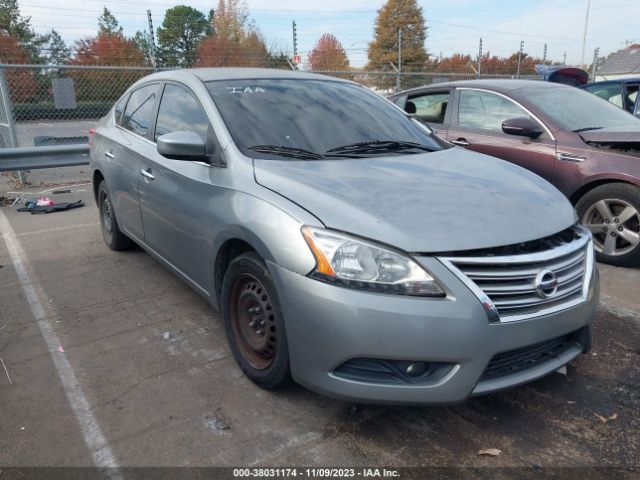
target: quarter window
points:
(181, 111)
(137, 115)
(486, 110)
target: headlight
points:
(351, 262)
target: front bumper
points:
(328, 325)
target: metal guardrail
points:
(32, 158)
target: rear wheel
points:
(113, 237)
(612, 213)
(253, 322)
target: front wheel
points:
(254, 323)
(612, 213)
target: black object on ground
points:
(58, 207)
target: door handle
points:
(148, 176)
(461, 142)
(108, 155)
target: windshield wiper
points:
(378, 147)
(585, 129)
(284, 151)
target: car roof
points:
(227, 73)
(496, 85)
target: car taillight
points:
(92, 132)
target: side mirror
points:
(182, 146)
(522, 126)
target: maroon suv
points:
(588, 148)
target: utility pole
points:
(594, 65)
(295, 38)
(520, 58)
(479, 57)
(564, 58)
(152, 41)
(584, 36)
(399, 77)
(544, 55)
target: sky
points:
(454, 26)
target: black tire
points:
(113, 237)
(617, 197)
(250, 305)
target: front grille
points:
(514, 361)
(526, 285)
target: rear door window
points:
(429, 107)
(139, 111)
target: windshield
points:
(574, 109)
(315, 119)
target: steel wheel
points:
(615, 225)
(253, 322)
(106, 216)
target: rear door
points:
(124, 156)
(477, 125)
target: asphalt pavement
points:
(112, 360)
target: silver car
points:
(347, 247)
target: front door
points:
(477, 125)
(176, 196)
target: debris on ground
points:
(166, 335)
(60, 349)
(6, 371)
(51, 208)
(493, 452)
(606, 419)
(8, 201)
(562, 370)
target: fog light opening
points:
(416, 369)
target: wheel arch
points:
(96, 178)
(600, 180)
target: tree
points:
(456, 63)
(180, 35)
(57, 51)
(108, 24)
(328, 55)
(407, 16)
(143, 40)
(233, 39)
(22, 85)
(14, 25)
(231, 20)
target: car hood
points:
(449, 200)
(624, 134)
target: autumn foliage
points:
(107, 49)
(328, 55)
(21, 83)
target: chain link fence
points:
(57, 105)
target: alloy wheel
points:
(615, 225)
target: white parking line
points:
(57, 229)
(94, 438)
